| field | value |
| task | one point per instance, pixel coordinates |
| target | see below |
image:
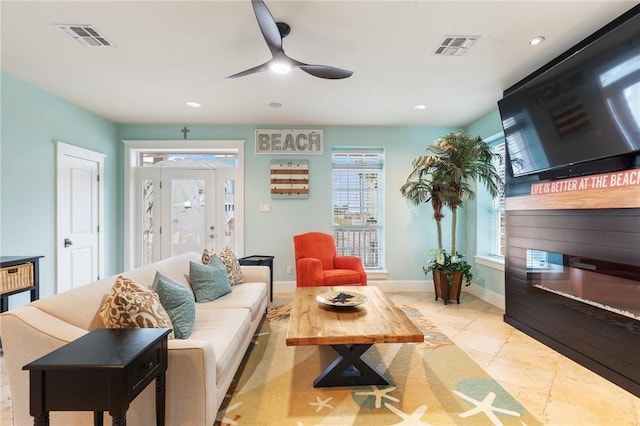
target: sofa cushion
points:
(179, 303)
(228, 257)
(227, 330)
(230, 261)
(130, 305)
(209, 281)
(252, 296)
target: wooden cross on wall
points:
(184, 131)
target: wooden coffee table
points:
(350, 331)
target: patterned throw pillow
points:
(130, 305)
(179, 303)
(209, 281)
(233, 266)
(234, 272)
(206, 256)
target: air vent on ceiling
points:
(86, 35)
(455, 45)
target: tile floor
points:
(555, 389)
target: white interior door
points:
(177, 212)
(79, 203)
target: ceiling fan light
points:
(280, 67)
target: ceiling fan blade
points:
(325, 71)
(268, 26)
(259, 68)
(271, 31)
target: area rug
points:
(432, 383)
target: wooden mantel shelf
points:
(627, 197)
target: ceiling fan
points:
(273, 33)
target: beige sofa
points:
(200, 368)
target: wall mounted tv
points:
(581, 107)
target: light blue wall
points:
(479, 212)
(31, 121)
(410, 231)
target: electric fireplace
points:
(609, 286)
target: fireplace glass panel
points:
(612, 286)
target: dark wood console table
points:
(103, 370)
(33, 286)
(264, 260)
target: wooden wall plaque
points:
(289, 179)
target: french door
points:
(176, 212)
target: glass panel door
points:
(176, 212)
(150, 187)
(188, 211)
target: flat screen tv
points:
(581, 107)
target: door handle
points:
(68, 242)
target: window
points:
(498, 202)
(358, 204)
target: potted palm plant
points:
(445, 179)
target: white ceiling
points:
(171, 52)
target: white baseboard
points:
(284, 286)
(482, 293)
(290, 286)
(488, 296)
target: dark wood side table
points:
(103, 370)
(259, 259)
(34, 288)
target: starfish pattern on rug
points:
(412, 419)
(485, 406)
(322, 403)
(379, 394)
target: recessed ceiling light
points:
(420, 107)
(536, 40)
(193, 104)
(275, 105)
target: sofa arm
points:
(191, 384)
(256, 274)
(353, 263)
(27, 334)
(309, 272)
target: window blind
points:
(358, 203)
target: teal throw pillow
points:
(179, 303)
(209, 281)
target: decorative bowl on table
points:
(342, 298)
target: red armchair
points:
(317, 262)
